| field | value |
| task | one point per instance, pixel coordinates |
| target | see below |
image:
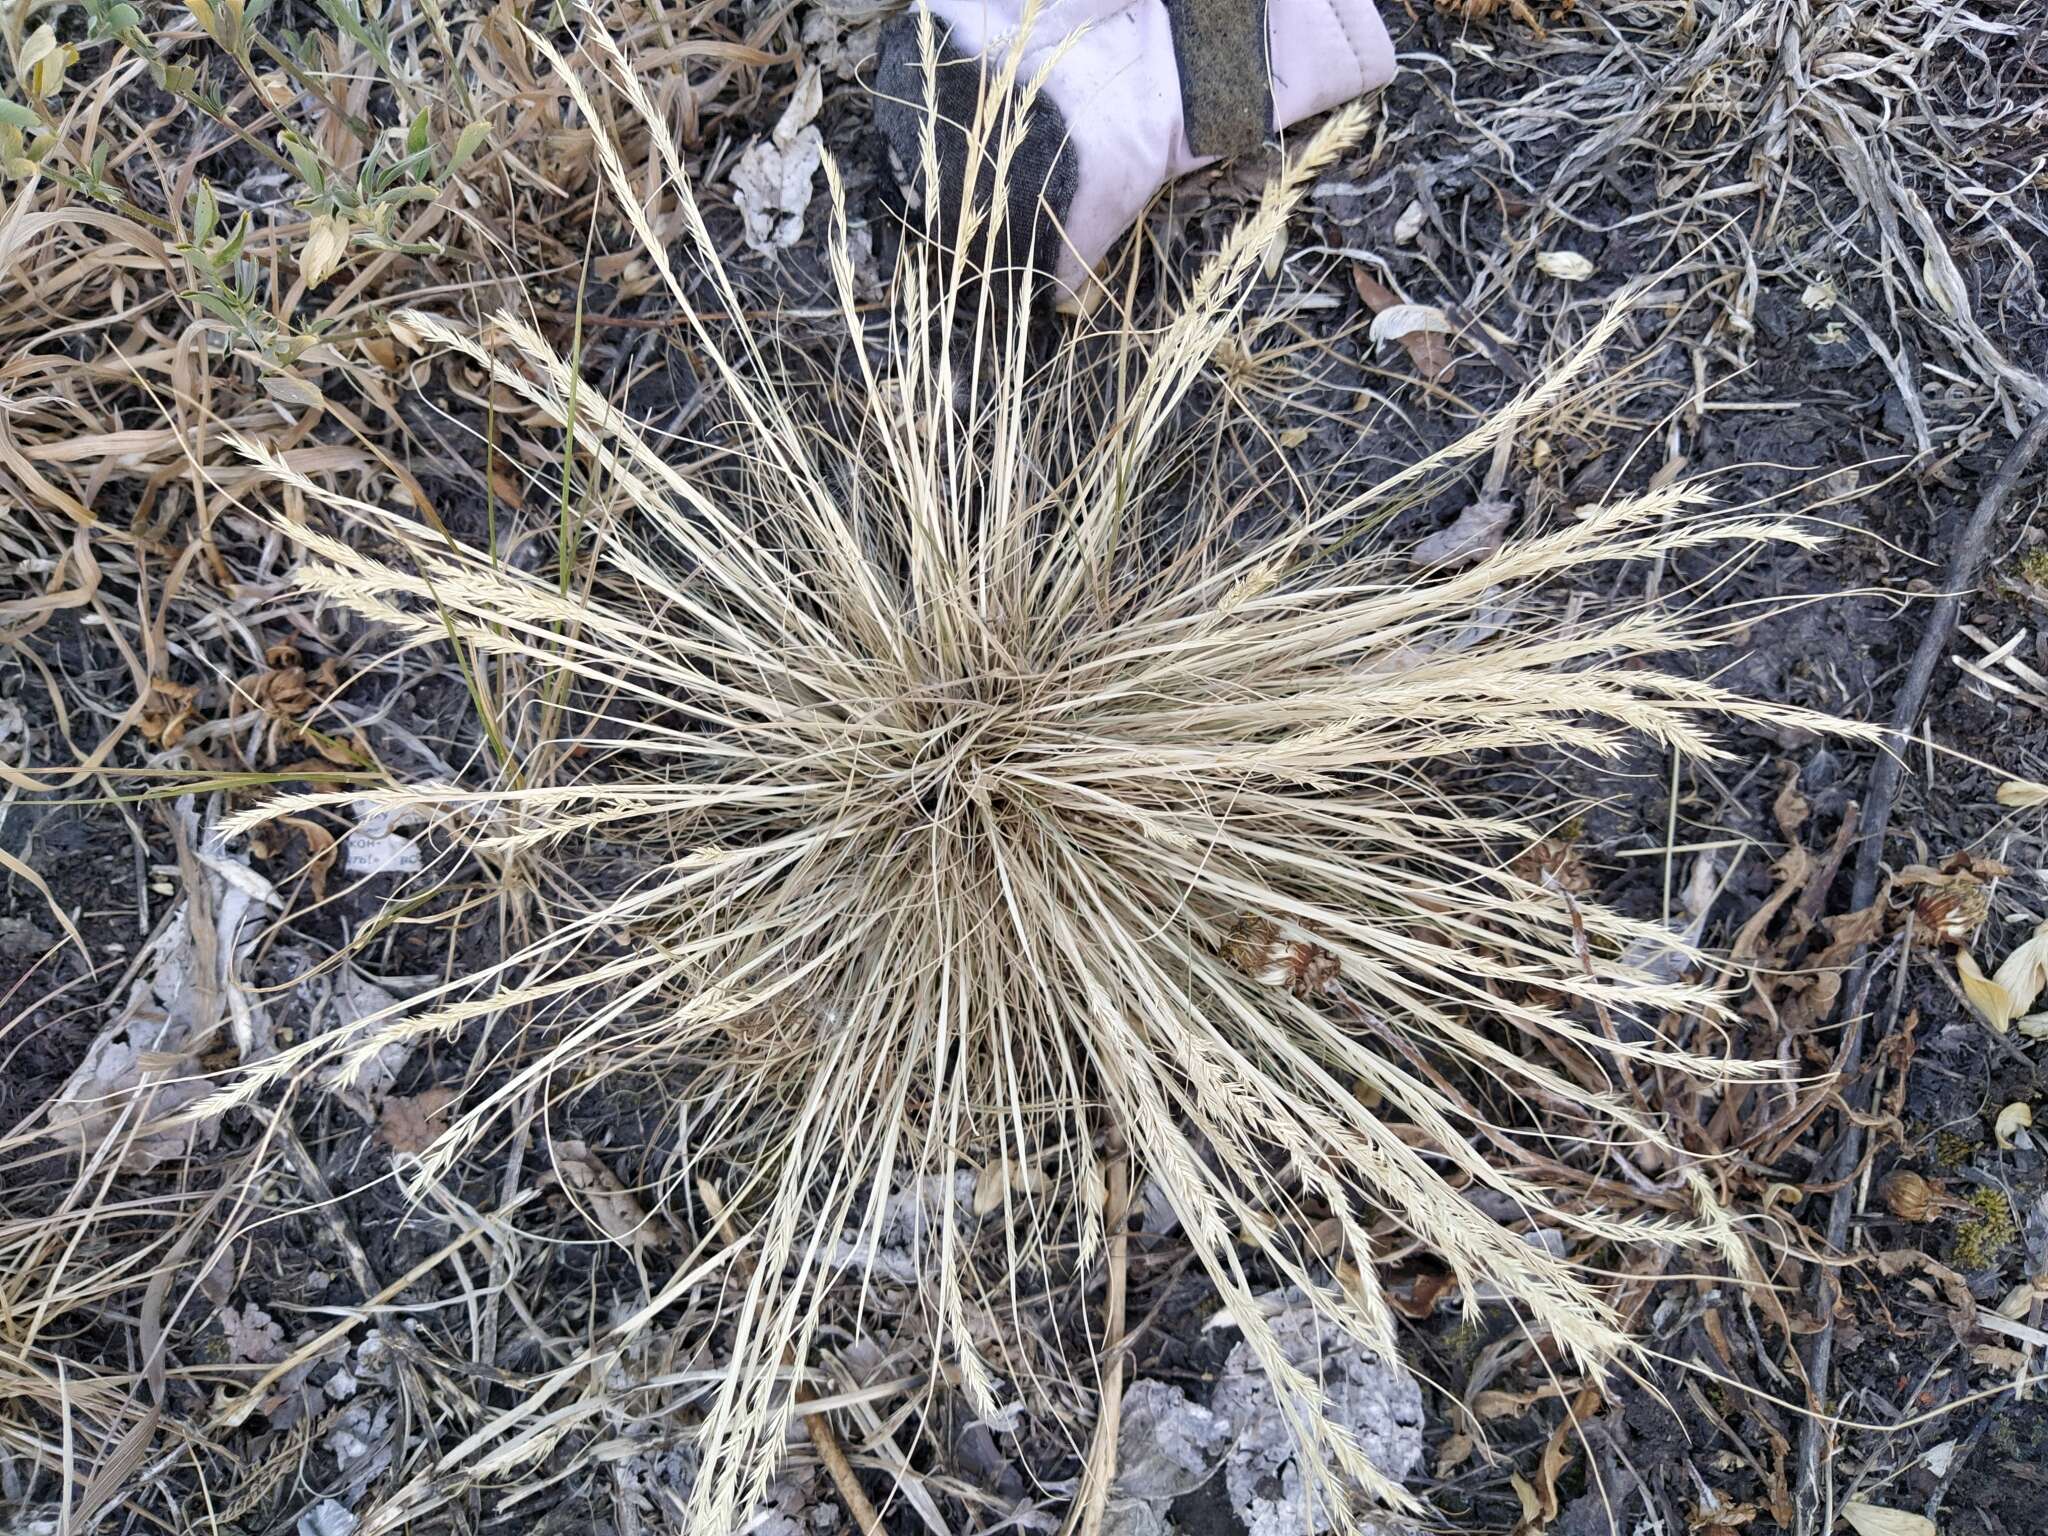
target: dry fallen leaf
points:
(2024, 973)
(1532, 1506)
(1791, 808)
(1875, 1520)
(1557, 1455)
(146, 1064)
(1398, 321)
(1420, 328)
(320, 852)
(1932, 1279)
(1944, 281)
(253, 1334)
(2022, 793)
(1001, 1178)
(1454, 1453)
(1985, 995)
(1477, 534)
(1565, 266)
(411, 1125)
(2011, 1119)
(605, 1201)
(348, 1000)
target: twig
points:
(1101, 1469)
(1814, 1491)
(817, 1425)
(826, 1444)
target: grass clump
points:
(955, 786)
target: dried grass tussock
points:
(933, 775)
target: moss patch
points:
(1952, 1151)
(1981, 1242)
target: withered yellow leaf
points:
(1875, 1520)
(2006, 1128)
(2022, 793)
(1985, 995)
(2025, 972)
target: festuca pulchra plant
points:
(948, 786)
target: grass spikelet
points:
(963, 794)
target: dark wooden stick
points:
(1812, 1490)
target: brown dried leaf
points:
(602, 1198)
(1943, 1284)
(1455, 1453)
(1494, 1404)
(168, 709)
(1846, 934)
(1791, 808)
(411, 1125)
(1477, 534)
(1791, 874)
(321, 851)
(1557, 1455)
(1532, 1504)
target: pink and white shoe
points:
(1139, 92)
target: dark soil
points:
(1718, 1405)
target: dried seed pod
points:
(1256, 946)
(1908, 1196)
(1311, 970)
(1251, 943)
(1560, 860)
(1952, 908)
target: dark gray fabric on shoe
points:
(1226, 89)
(1043, 175)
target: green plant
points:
(347, 199)
(964, 795)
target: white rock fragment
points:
(327, 1518)
(1379, 1404)
(1168, 1445)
